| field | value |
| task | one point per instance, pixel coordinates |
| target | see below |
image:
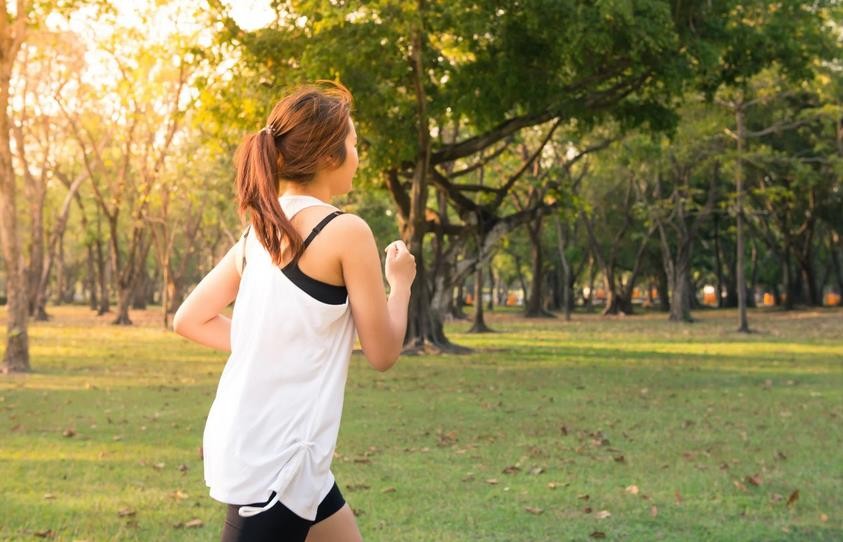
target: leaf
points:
(194, 523)
(179, 495)
(388, 490)
(597, 534)
(678, 496)
(603, 514)
(69, 432)
(45, 534)
(512, 469)
(551, 485)
(633, 489)
(739, 485)
(654, 511)
(356, 487)
(533, 510)
(125, 512)
(584, 496)
(793, 497)
(536, 470)
(619, 459)
(492, 481)
(755, 479)
(824, 518)
(49, 496)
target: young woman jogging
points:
(305, 277)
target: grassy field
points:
(621, 429)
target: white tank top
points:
(274, 422)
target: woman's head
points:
(308, 138)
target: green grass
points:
(684, 412)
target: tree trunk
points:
(479, 324)
(680, 291)
(104, 276)
(718, 264)
(561, 240)
(91, 279)
(16, 356)
(534, 308)
(743, 321)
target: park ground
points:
(627, 428)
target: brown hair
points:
(306, 130)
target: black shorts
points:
(279, 523)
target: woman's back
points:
(275, 418)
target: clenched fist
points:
(400, 265)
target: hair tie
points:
(267, 129)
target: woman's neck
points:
(323, 195)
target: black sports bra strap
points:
(319, 227)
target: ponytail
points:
(257, 162)
(306, 130)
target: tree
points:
(493, 68)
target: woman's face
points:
(339, 179)
(345, 173)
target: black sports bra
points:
(322, 291)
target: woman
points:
(306, 277)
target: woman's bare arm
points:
(198, 318)
(381, 324)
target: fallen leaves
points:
(190, 524)
(533, 510)
(179, 495)
(755, 479)
(356, 487)
(793, 498)
(126, 512)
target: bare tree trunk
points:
(743, 321)
(833, 241)
(479, 325)
(91, 279)
(534, 308)
(16, 356)
(104, 276)
(561, 240)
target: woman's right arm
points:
(381, 323)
